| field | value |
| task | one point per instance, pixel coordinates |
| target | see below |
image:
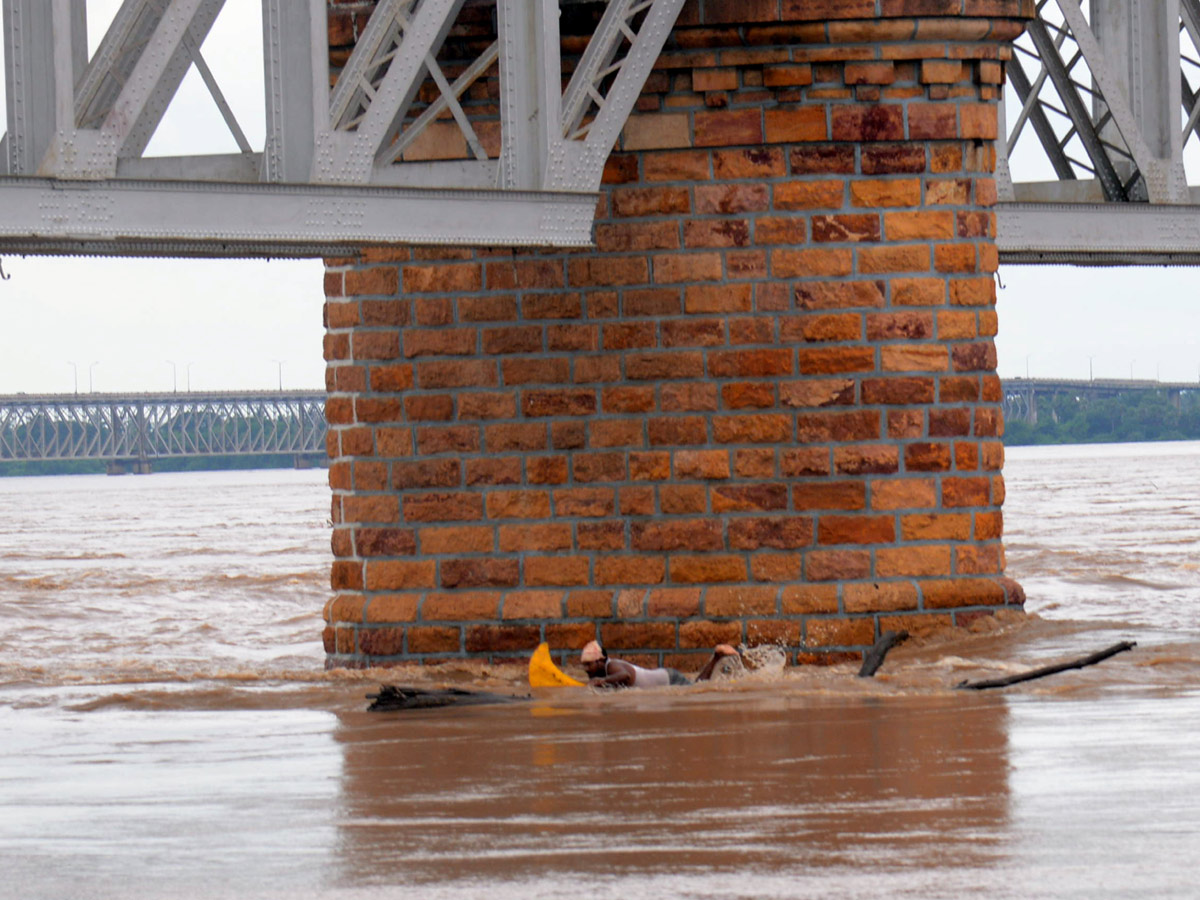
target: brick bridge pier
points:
(764, 407)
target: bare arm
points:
(722, 651)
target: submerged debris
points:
(391, 697)
(1080, 663)
(874, 657)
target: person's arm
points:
(620, 674)
(722, 651)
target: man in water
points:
(617, 673)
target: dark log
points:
(873, 658)
(1080, 663)
(391, 698)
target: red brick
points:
(443, 279)
(792, 124)
(612, 569)
(822, 159)
(556, 570)
(465, 573)
(749, 498)
(692, 333)
(780, 533)
(684, 165)
(558, 403)
(751, 162)
(823, 194)
(685, 534)
(855, 530)
(846, 228)
(518, 505)
(893, 159)
(837, 565)
(748, 395)
(839, 632)
(522, 436)
(688, 397)
(863, 122)
(707, 568)
(750, 363)
(393, 574)
(727, 128)
(716, 299)
(663, 366)
(715, 233)
(501, 638)
(586, 502)
(891, 562)
(707, 464)
(752, 429)
(687, 267)
(829, 495)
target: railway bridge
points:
(663, 322)
(1021, 395)
(128, 432)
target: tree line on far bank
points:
(1130, 416)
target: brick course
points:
(764, 407)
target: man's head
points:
(593, 659)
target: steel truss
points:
(1110, 99)
(145, 427)
(339, 166)
(396, 152)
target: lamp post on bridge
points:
(174, 381)
(279, 363)
(188, 375)
(1091, 377)
(1027, 355)
(74, 375)
(90, 367)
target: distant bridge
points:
(130, 431)
(1021, 395)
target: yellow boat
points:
(544, 673)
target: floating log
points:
(874, 657)
(1080, 663)
(391, 698)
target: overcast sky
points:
(134, 325)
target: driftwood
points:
(394, 698)
(874, 657)
(1080, 663)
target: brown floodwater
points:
(169, 731)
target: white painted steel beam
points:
(337, 168)
(1099, 233)
(155, 218)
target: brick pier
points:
(763, 409)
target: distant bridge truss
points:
(139, 428)
(1022, 395)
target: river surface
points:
(167, 728)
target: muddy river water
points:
(167, 729)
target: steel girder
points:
(341, 167)
(150, 426)
(1113, 97)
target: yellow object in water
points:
(544, 673)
